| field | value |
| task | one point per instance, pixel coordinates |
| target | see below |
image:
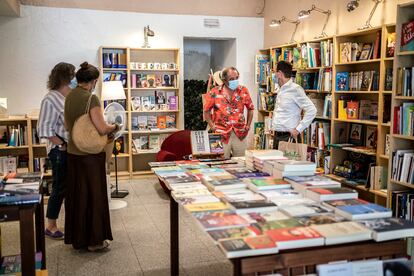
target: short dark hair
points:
(285, 68)
(61, 74)
(87, 73)
(226, 71)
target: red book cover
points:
(321, 191)
(376, 45)
(291, 234)
(318, 57)
(396, 120)
(260, 242)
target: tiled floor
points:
(141, 241)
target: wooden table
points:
(29, 229)
(295, 261)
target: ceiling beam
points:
(10, 8)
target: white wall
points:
(31, 45)
(223, 54)
(197, 56)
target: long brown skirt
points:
(87, 220)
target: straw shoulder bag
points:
(85, 135)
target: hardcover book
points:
(342, 81)
(161, 121)
(343, 232)
(296, 237)
(152, 122)
(389, 228)
(407, 36)
(248, 246)
(170, 121)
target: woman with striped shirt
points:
(51, 128)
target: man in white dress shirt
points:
(291, 100)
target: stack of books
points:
(285, 168)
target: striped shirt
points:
(51, 119)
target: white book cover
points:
(200, 142)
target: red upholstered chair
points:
(174, 148)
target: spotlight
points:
(303, 14)
(275, 23)
(352, 5)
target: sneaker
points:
(57, 235)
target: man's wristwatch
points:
(61, 145)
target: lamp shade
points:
(112, 90)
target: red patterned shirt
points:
(229, 115)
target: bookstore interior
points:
(261, 138)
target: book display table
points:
(287, 259)
(30, 214)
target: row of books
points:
(323, 106)
(41, 164)
(203, 142)
(153, 80)
(354, 109)
(240, 209)
(356, 135)
(318, 135)
(153, 122)
(378, 178)
(320, 81)
(265, 100)
(403, 166)
(322, 159)
(262, 69)
(161, 101)
(114, 60)
(354, 51)
(404, 119)
(313, 54)
(403, 204)
(13, 135)
(147, 142)
(357, 81)
(405, 81)
(116, 77)
(20, 188)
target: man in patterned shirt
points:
(228, 102)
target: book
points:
(253, 206)
(296, 237)
(343, 232)
(264, 217)
(173, 103)
(218, 220)
(294, 165)
(200, 143)
(215, 206)
(152, 122)
(142, 122)
(231, 233)
(144, 142)
(342, 81)
(326, 218)
(170, 121)
(357, 209)
(352, 110)
(12, 264)
(366, 51)
(224, 184)
(248, 246)
(154, 142)
(389, 228)
(216, 144)
(18, 197)
(161, 121)
(197, 200)
(407, 36)
(304, 209)
(323, 194)
(391, 42)
(266, 183)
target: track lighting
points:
(305, 13)
(352, 5)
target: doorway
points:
(201, 55)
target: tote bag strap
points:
(88, 105)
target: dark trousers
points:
(58, 159)
(283, 136)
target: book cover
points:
(154, 142)
(151, 80)
(267, 183)
(327, 218)
(391, 39)
(200, 142)
(144, 142)
(145, 103)
(371, 137)
(170, 121)
(152, 122)
(160, 97)
(366, 51)
(346, 50)
(142, 122)
(206, 207)
(389, 228)
(407, 36)
(248, 246)
(263, 227)
(352, 110)
(218, 222)
(264, 217)
(343, 232)
(231, 233)
(161, 121)
(321, 194)
(304, 209)
(225, 184)
(342, 81)
(296, 237)
(136, 103)
(173, 102)
(216, 144)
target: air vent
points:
(211, 23)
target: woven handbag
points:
(85, 135)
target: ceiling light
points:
(352, 5)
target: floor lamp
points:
(115, 113)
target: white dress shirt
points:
(290, 101)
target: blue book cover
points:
(342, 81)
(363, 209)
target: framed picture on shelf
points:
(356, 134)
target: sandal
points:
(57, 235)
(98, 248)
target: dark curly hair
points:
(61, 74)
(87, 73)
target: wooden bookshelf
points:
(405, 14)
(132, 163)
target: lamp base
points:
(117, 204)
(119, 194)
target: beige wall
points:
(341, 20)
(247, 8)
(9, 8)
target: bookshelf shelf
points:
(359, 151)
(153, 131)
(386, 92)
(404, 98)
(379, 193)
(14, 148)
(312, 68)
(39, 145)
(406, 53)
(365, 122)
(386, 124)
(389, 58)
(114, 69)
(322, 118)
(156, 111)
(317, 91)
(356, 92)
(154, 70)
(405, 137)
(405, 184)
(155, 88)
(383, 156)
(121, 155)
(146, 152)
(359, 62)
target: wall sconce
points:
(147, 32)
(277, 23)
(352, 5)
(305, 13)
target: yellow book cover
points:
(203, 207)
(342, 110)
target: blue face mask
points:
(233, 84)
(73, 83)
